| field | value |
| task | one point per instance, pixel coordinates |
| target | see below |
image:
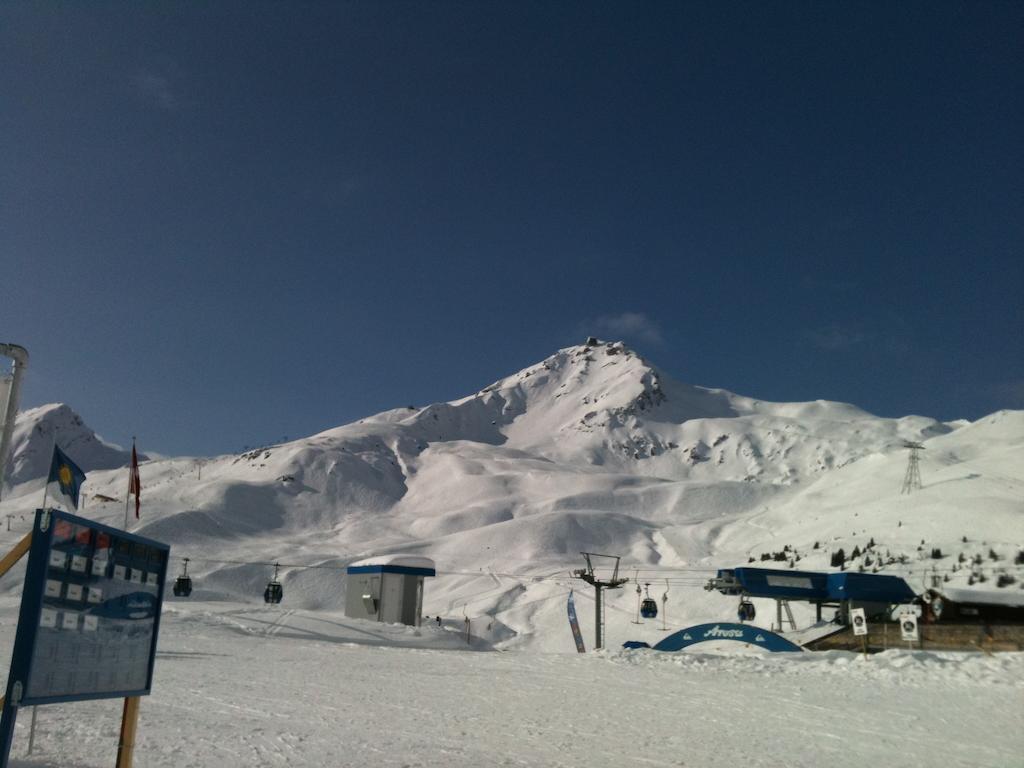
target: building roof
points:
(967, 596)
(815, 586)
(411, 564)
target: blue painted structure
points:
(392, 569)
(89, 618)
(869, 588)
(816, 587)
(705, 633)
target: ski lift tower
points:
(912, 480)
(10, 387)
(587, 574)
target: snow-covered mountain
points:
(36, 430)
(593, 449)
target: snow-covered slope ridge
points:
(605, 404)
(35, 431)
(592, 449)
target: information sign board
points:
(90, 613)
(908, 627)
(860, 624)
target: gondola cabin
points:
(648, 607)
(273, 593)
(182, 586)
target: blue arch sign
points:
(705, 633)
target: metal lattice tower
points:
(912, 480)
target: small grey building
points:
(387, 588)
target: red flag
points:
(134, 484)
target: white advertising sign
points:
(908, 627)
(859, 622)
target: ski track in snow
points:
(250, 686)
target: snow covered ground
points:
(240, 685)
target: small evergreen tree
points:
(838, 558)
(936, 553)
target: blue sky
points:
(224, 223)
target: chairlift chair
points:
(274, 591)
(649, 606)
(183, 584)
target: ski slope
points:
(238, 686)
(592, 449)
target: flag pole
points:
(128, 495)
(46, 487)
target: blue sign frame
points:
(706, 633)
(89, 619)
(87, 586)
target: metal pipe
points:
(20, 357)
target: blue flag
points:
(574, 625)
(65, 479)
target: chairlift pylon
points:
(274, 591)
(183, 584)
(664, 612)
(639, 592)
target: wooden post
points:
(129, 725)
(19, 551)
(10, 713)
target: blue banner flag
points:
(574, 624)
(65, 479)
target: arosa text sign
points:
(704, 633)
(90, 612)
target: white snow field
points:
(240, 685)
(592, 450)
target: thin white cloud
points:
(629, 325)
(156, 89)
(1009, 394)
(834, 337)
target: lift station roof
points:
(411, 564)
(815, 587)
